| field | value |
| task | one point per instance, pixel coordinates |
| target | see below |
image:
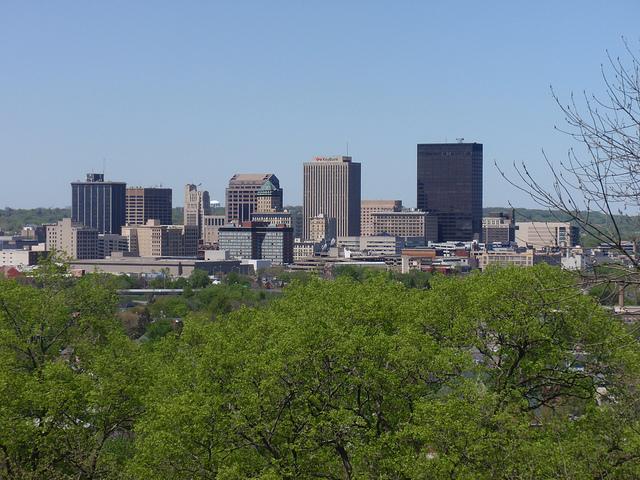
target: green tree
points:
(69, 379)
(199, 279)
(510, 373)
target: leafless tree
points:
(602, 172)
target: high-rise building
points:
(369, 207)
(155, 240)
(148, 204)
(242, 195)
(258, 241)
(73, 239)
(99, 204)
(332, 188)
(268, 198)
(196, 205)
(450, 186)
(499, 228)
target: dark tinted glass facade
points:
(149, 204)
(99, 204)
(450, 186)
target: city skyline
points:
(169, 96)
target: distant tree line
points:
(12, 220)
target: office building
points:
(332, 188)
(304, 249)
(268, 198)
(505, 257)
(258, 241)
(420, 226)
(545, 235)
(449, 185)
(368, 207)
(499, 228)
(111, 242)
(20, 258)
(72, 239)
(99, 204)
(155, 240)
(373, 245)
(120, 264)
(322, 228)
(149, 204)
(272, 218)
(242, 195)
(34, 232)
(211, 225)
(17, 242)
(196, 205)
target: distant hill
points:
(13, 219)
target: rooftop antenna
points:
(347, 148)
(460, 139)
(104, 161)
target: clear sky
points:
(194, 91)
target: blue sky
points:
(175, 92)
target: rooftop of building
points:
(253, 178)
(267, 188)
(338, 159)
(93, 178)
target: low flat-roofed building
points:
(303, 249)
(119, 264)
(541, 235)
(379, 245)
(505, 257)
(111, 242)
(19, 258)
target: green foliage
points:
(70, 381)
(413, 279)
(235, 278)
(13, 219)
(508, 374)
(477, 377)
(199, 279)
(158, 329)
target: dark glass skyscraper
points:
(450, 186)
(99, 204)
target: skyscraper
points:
(242, 194)
(196, 205)
(99, 204)
(450, 186)
(148, 204)
(332, 188)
